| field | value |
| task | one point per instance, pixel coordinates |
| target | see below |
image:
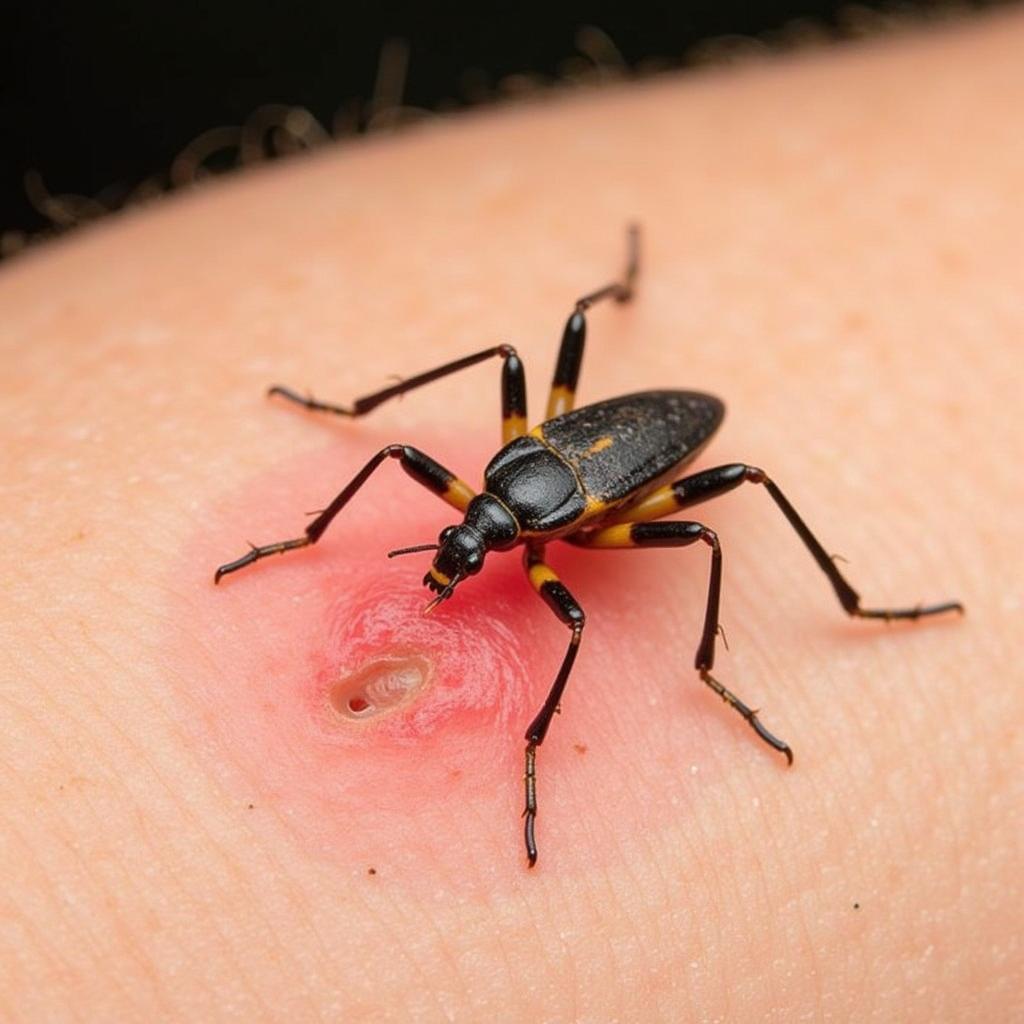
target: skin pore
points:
(193, 827)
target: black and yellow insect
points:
(597, 477)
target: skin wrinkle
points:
(37, 934)
(762, 875)
(97, 959)
(855, 856)
(499, 917)
(294, 897)
(397, 946)
(663, 982)
(957, 839)
(716, 897)
(740, 896)
(698, 954)
(615, 887)
(424, 923)
(539, 916)
(604, 896)
(815, 971)
(561, 916)
(586, 912)
(14, 834)
(634, 879)
(491, 914)
(189, 816)
(513, 969)
(566, 977)
(505, 958)
(665, 888)
(82, 795)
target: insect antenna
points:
(409, 551)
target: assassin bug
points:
(597, 477)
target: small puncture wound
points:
(381, 686)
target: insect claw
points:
(531, 842)
(774, 742)
(238, 563)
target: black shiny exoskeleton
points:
(597, 477)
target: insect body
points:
(597, 477)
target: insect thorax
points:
(537, 486)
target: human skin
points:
(187, 827)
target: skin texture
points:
(188, 825)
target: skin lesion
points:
(382, 686)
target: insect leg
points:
(713, 482)
(563, 604)
(570, 353)
(513, 390)
(513, 398)
(423, 469)
(677, 535)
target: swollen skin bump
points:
(319, 687)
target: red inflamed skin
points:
(294, 796)
(366, 726)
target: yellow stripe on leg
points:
(560, 401)
(661, 502)
(458, 494)
(620, 536)
(513, 427)
(540, 574)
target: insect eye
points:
(446, 533)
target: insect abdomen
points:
(620, 446)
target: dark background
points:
(98, 97)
